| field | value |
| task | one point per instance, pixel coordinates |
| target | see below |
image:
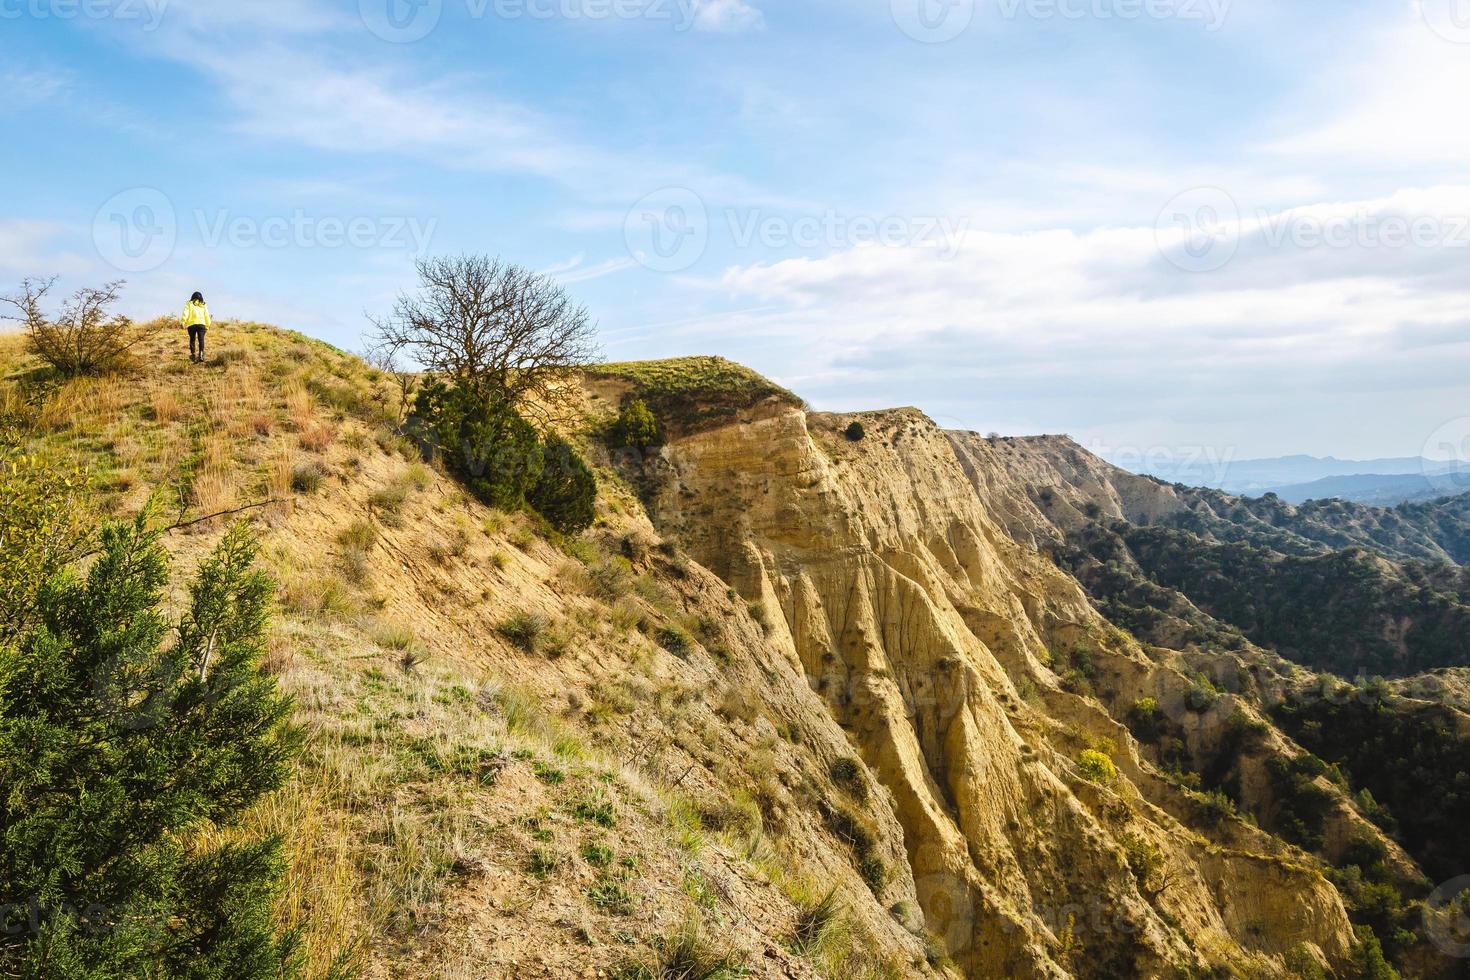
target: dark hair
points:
(197, 298)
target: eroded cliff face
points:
(931, 635)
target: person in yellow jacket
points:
(196, 318)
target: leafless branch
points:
(497, 329)
(84, 337)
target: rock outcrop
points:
(887, 570)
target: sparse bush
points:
(686, 955)
(610, 579)
(855, 431)
(855, 832)
(1143, 719)
(307, 477)
(84, 338)
(814, 921)
(358, 536)
(542, 862)
(317, 437)
(635, 426)
(848, 773)
(502, 334)
(524, 630)
(1096, 766)
(610, 895)
(675, 640)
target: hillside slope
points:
(783, 665)
(1336, 586)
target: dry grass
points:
(165, 406)
(82, 405)
(214, 488)
(319, 899)
(298, 406)
(317, 436)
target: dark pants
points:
(196, 332)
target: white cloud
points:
(727, 16)
(1395, 98)
(575, 269)
(29, 86)
(1080, 330)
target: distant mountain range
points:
(1296, 479)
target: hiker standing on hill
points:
(196, 318)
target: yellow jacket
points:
(195, 314)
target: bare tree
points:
(406, 381)
(85, 337)
(496, 329)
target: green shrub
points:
(848, 773)
(1215, 807)
(307, 477)
(1146, 862)
(814, 920)
(1143, 719)
(1301, 964)
(566, 490)
(597, 855)
(524, 630)
(635, 426)
(132, 742)
(1202, 696)
(1368, 962)
(855, 431)
(492, 450)
(1096, 766)
(595, 810)
(41, 529)
(675, 640)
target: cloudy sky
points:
(1237, 227)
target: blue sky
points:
(1235, 227)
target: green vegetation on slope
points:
(127, 762)
(1433, 531)
(1406, 754)
(1350, 612)
(693, 393)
